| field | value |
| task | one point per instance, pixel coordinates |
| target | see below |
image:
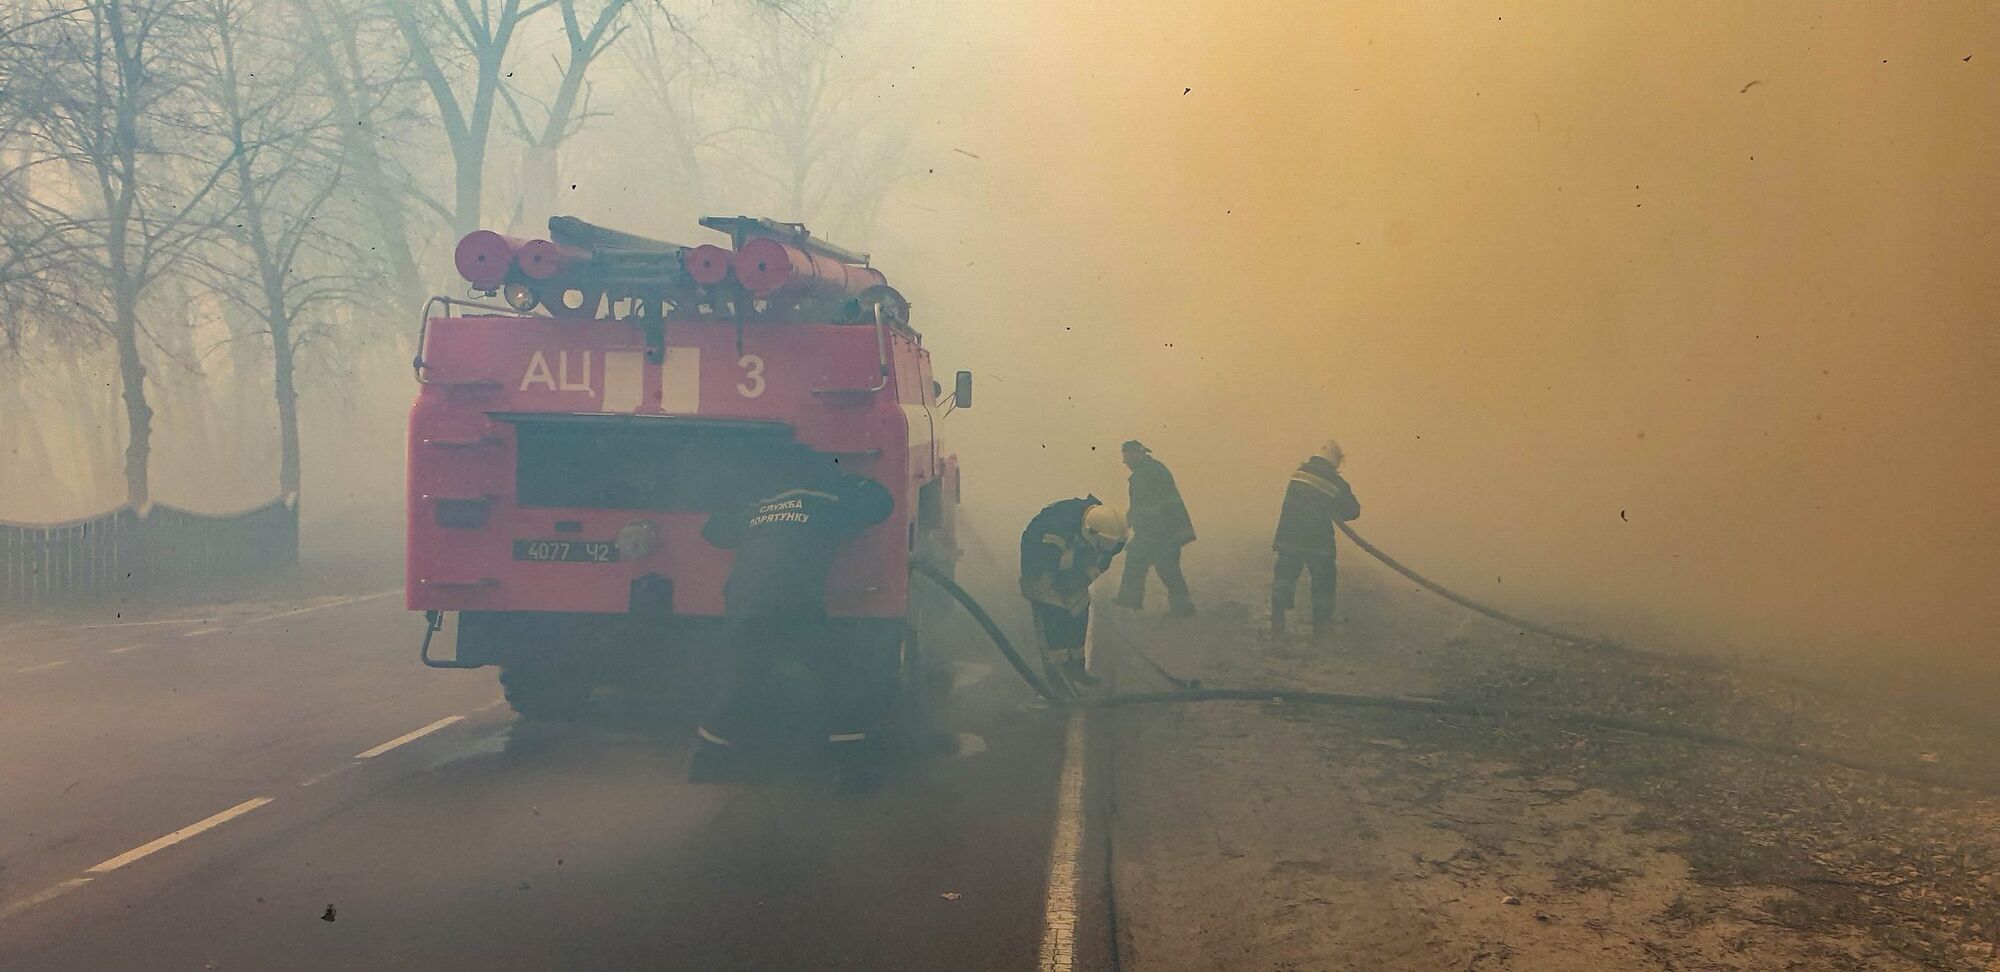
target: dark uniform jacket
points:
(1057, 562)
(1159, 518)
(1315, 497)
(784, 544)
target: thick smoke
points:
(1674, 322)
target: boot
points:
(1055, 677)
(1277, 623)
(1079, 675)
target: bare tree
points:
(33, 246)
(364, 71)
(135, 193)
(833, 161)
(788, 95)
(41, 297)
(439, 35)
(563, 114)
(285, 166)
(447, 38)
(676, 109)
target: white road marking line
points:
(490, 706)
(1059, 903)
(408, 737)
(180, 835)
(120, 651)
(329, 774)
(137, 624)
(43, 667)
(336, 602)
(44, 896)
(198, 632)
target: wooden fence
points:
(126, 552)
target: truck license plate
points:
(567, 551)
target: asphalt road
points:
(283, 786)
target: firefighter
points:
(775, 602)
(1065, 547)
(1315, 497)
(1160, 528)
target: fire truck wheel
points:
(923, 680)
(545, 691)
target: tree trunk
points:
(288, 412)
(118, 180)
(132, 381)
(471, 172)
(279, 316)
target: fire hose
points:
(1191, 690)
(1459, 599)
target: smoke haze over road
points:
(1679, 319)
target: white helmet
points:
(1332, 453)
(1105, 527)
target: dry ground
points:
(1273, 836)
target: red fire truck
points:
(568, 442)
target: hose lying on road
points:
(1566, 717)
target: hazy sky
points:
(1729, 269)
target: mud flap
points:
(652, 602)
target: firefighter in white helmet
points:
(1315, 497)
(1066, 546)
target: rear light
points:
(520, 297)
(461, 514)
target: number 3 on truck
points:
(752, 384)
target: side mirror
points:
(962, 394)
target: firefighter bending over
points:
(775, 600)
(1066, 546)
(1314, 498)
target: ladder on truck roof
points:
(741, 228)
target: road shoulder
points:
(1280, 836)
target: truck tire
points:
(545, 691)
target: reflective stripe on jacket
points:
(1057, 563)
(1315, 496)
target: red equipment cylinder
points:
(483, 257)
(542, 259)
(769, 268)
(708, 264)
